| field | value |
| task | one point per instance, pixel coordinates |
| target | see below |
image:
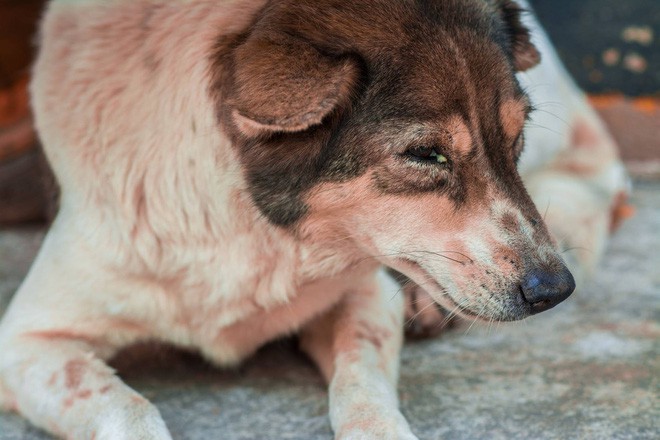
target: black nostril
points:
(544, 289)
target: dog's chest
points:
(244, 292)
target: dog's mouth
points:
(514, 308)
(422, 277)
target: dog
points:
(236, 171)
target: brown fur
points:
(309, 90)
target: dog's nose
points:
(544, 290)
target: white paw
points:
(369, 426)
(376, 434)
(140, 421)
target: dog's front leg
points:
(53, 342)
(357, 346)
(63, 388)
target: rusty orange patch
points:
(621, 211)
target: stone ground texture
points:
(588, 369)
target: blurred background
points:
(611, 47)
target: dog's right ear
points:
(286, 85)
(525, 54)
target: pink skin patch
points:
(105, 389)
(74, 371)
(585, 136)
(84, 394)
(372, 333)
(53, 380)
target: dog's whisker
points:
(440, 254)
(538, 105)
(476, 318)
(576, 248)
(412, 318)
(536, 109)
(530, 124)
(454, 312)
(545, 213)
(412, 253)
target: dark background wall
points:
(608, 45)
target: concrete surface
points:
(588, 369)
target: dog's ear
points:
(287, 85)
(525, 54)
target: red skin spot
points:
(74, 371)
(373, 339)
(84, 394)
(585, 136)
(139, 400)
(105, 389)
(374, 334)
(52, 380)
(80, 395)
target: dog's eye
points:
(423, 153)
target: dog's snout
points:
(544, 289)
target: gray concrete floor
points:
(588, 369)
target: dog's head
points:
(394, 127)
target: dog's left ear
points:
(525, 54)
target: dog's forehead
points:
(441, 65)
(369, 26)
(422, 57)
(446, 86)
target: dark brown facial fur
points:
(319, 91)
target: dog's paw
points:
(381, 428)
(424, 318)
(140, 421)
(365, 435)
